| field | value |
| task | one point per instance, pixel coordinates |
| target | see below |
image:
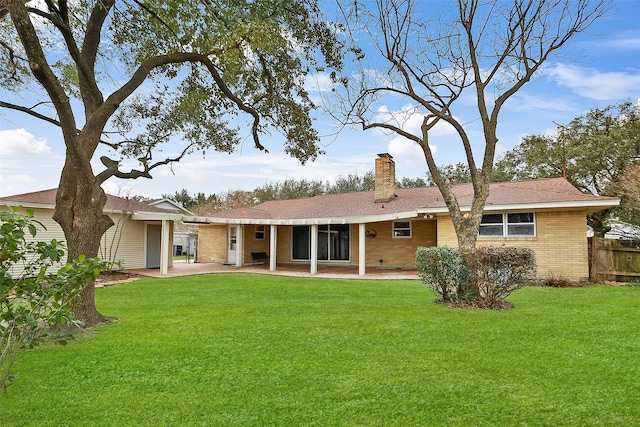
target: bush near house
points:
(482, 278)
(443, 270)
(35, 305)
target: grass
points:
(250, 350)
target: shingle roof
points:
(361, 206)
(553, 190)
(47, 198)
(417, 200)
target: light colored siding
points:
(124, 242)
(560, 244)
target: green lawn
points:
(251, 350)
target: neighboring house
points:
(383, 228)
(140, 238)
(185, 237)
(620, 231)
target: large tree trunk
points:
(597, 222)
(79, 211)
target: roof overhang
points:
(300, 221)
(589, 205)
(11, 203)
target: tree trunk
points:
(597, 222)
(79, 211)
(466, 233)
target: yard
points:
(252, 350)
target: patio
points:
(181, 268)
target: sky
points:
(607, 72)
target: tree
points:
(487, 50)
(456, 173)
(288, 189)
(405, 182)
(629, 189)
(593, 151)
(129, 75)
(224, 201)
(352, 183)
(185, 199)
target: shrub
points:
(481, 278)
(443, 270)
(560, 282)
(35, 305)
(498, 271)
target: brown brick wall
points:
(560, 243)
(385, 185)
(212, 243)
(284, 244)
(395, 252)
(251, 244)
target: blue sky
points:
(607, 72)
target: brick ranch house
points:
(383, 228)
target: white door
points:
(232, 244)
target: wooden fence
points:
(614, 260)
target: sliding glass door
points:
(333, 242)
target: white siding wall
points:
(124, 242)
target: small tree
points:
(35, 305)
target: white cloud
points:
(593, 84)
(320, 82)
(526, 102)
(19, 142)
(407, 151)
(624, 41)
(15, 184)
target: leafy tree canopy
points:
(594, 151)
(130, 75)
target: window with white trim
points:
(520, 224)
(259, 232)
(401, 229)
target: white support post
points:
(273, 247)
(314, 249)
(164, 248)
(239, 246)
(361, 251)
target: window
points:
(508, 225)
(333, 242)
(491, 225)
(521, 224)
(402, 229)
(301, 242)
(259, 232)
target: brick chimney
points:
(385, 178)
